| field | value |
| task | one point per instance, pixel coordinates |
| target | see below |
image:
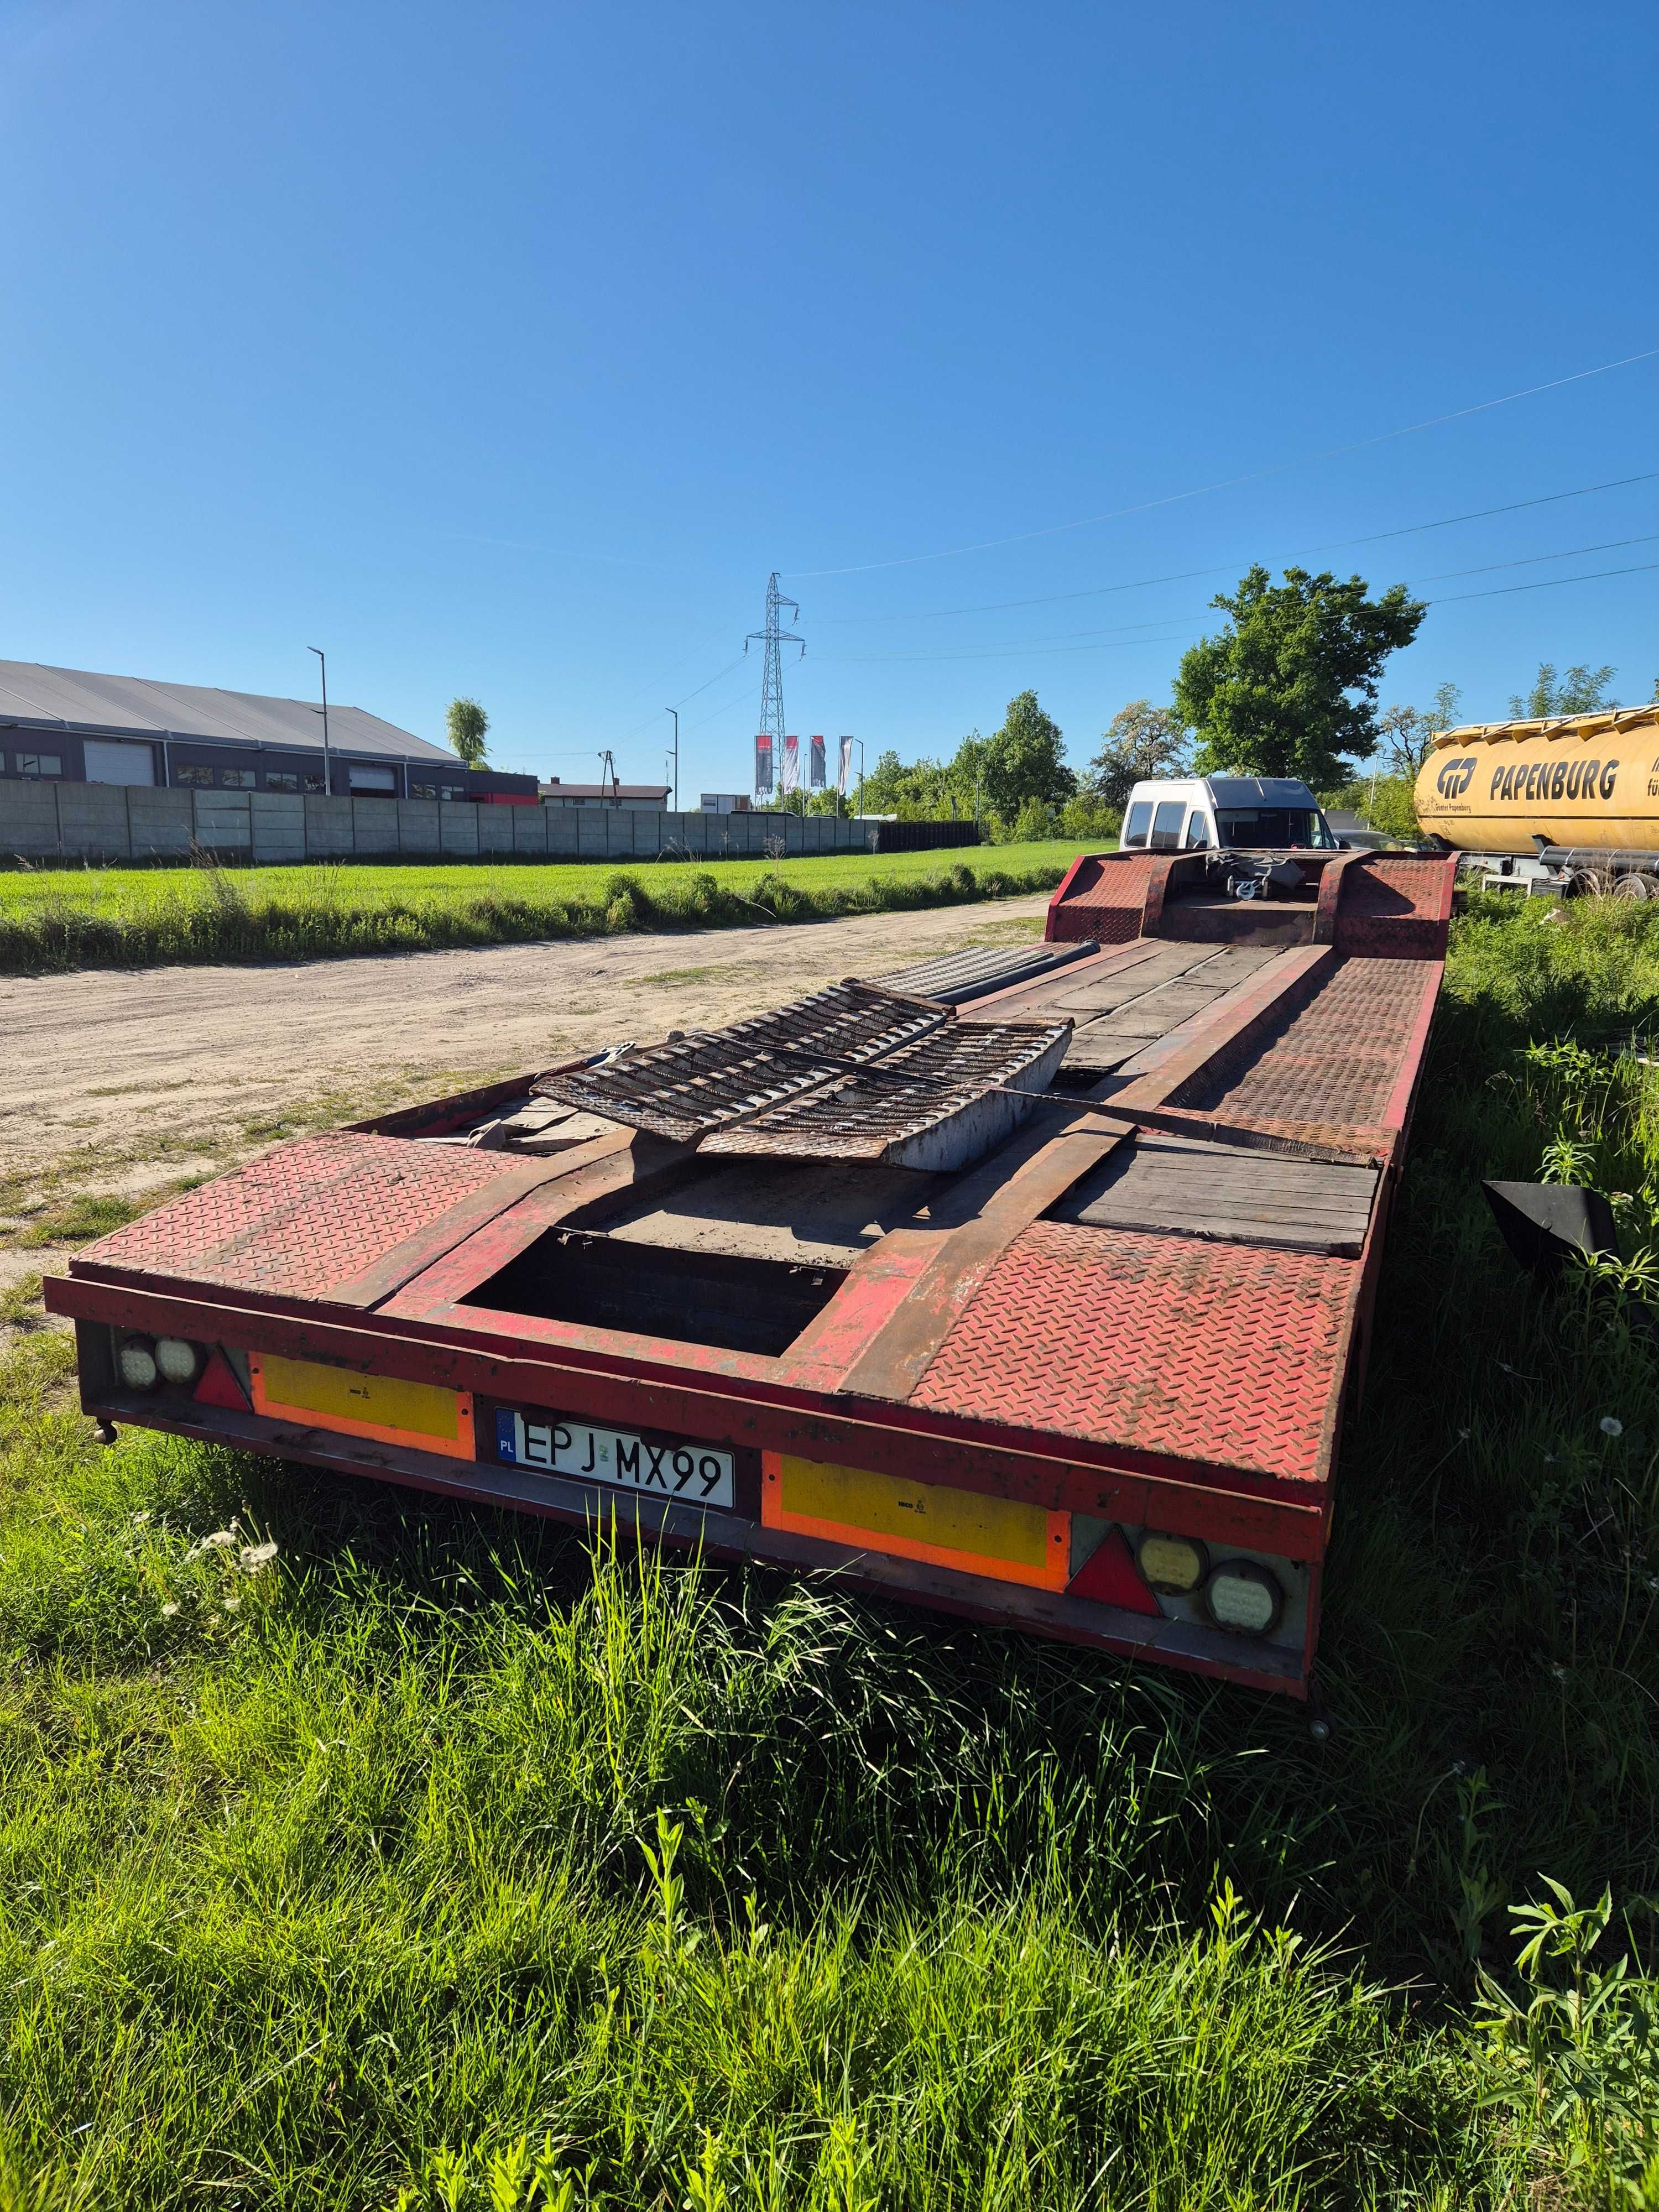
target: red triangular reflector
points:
(1110, 1576)
(219, 1387)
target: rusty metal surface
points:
(1226, 1353)
(1333, 1062)
(305, 1217)
(692, 1085)
(916, 1089)
(1103, 897)
(1397, 906)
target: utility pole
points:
(328, 757)
(674, 711)
(775, 637)
(608, 768)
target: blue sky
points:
(504, 350)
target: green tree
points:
(467, 722)
(1581, 690)
(1023, 759)
(1272, 694)
(1140, 742)
(1406, 735)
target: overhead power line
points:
(1177, 625)
(1230, 567)
(1229, 484)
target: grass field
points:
(70, 918)
(438, 1861)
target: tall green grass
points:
(132, 917)
(445, 1849)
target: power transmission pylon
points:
(773, 638)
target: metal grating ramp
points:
(937, 1103)
(692, 1085)
(957, 977)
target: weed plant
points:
(443, 1859)
(138, 917)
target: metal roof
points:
(606, 791)
(133, 706)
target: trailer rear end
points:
(1034, 1287)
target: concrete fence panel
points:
(496, 828)
(419, 833)
(276, 820)
(458, 828)
(529, 836)
(224, 822)
(28, 821)
(74, 821)
(92, 821)
(160, 824)
(374, 828)
(328, 829)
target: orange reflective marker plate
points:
(381, 1406)
(1000, 1537)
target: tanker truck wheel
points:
(1636, 886)
(1588, 883)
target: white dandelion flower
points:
(231, 1604)
(257, 1557)
(1610, 1427)
(169, 1609)
(220, 1540)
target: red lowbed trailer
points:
(1029, 1286)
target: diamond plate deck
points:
(1334, 1061)
(306, 1218)
(1226, 1353)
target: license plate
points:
(614, 1455)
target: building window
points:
(423, 791)
(40, 763)
(315, 780)
(281, 778)
(202, 778)
(452, 791)
(236, 779)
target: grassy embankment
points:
(125, 917)
(434, 1849)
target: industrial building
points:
(71, 725)
(653, 797)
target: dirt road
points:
(123, 1082)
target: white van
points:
(1194, 813)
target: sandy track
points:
(124, 1079)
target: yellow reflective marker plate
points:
(1001, 1538)
(383, 1406)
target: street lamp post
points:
(674, 711)
(328, 757)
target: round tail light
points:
(1245, 1597)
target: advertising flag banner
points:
(844, 765)
(763, 765)
(790, 765)
(816, 779)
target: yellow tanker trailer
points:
(1568, 805)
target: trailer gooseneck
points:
(871, 1283)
